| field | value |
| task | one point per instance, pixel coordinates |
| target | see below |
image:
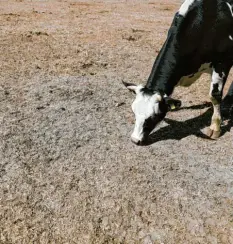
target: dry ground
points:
(68, 171)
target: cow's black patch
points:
(216, 94)
(152, 121)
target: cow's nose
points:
(135, 140)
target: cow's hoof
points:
(208, 132)
(211, 133)
(216, 135)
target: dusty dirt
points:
(68, 171)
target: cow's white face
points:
(149, 109)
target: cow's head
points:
(150, 108)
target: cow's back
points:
(201, 33)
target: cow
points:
(199, 40)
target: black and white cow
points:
(200, 40)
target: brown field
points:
(68, 171)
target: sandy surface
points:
(68, 171)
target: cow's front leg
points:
(219, 77)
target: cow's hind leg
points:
(219, 77)
(227, 103)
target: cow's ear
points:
(130, 86)
(172, 104)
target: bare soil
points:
(68, 171)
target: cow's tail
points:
(227, 103)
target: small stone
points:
(119, 104)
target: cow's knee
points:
(214, 131)
(215, 94)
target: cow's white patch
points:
(230, 7)
(230, 37)
(144, 106)
(217, 79)
(185, 7)
(190, 79)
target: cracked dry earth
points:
(68, 171)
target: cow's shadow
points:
(177, 130)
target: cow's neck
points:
(164, 75)
(165, 72)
